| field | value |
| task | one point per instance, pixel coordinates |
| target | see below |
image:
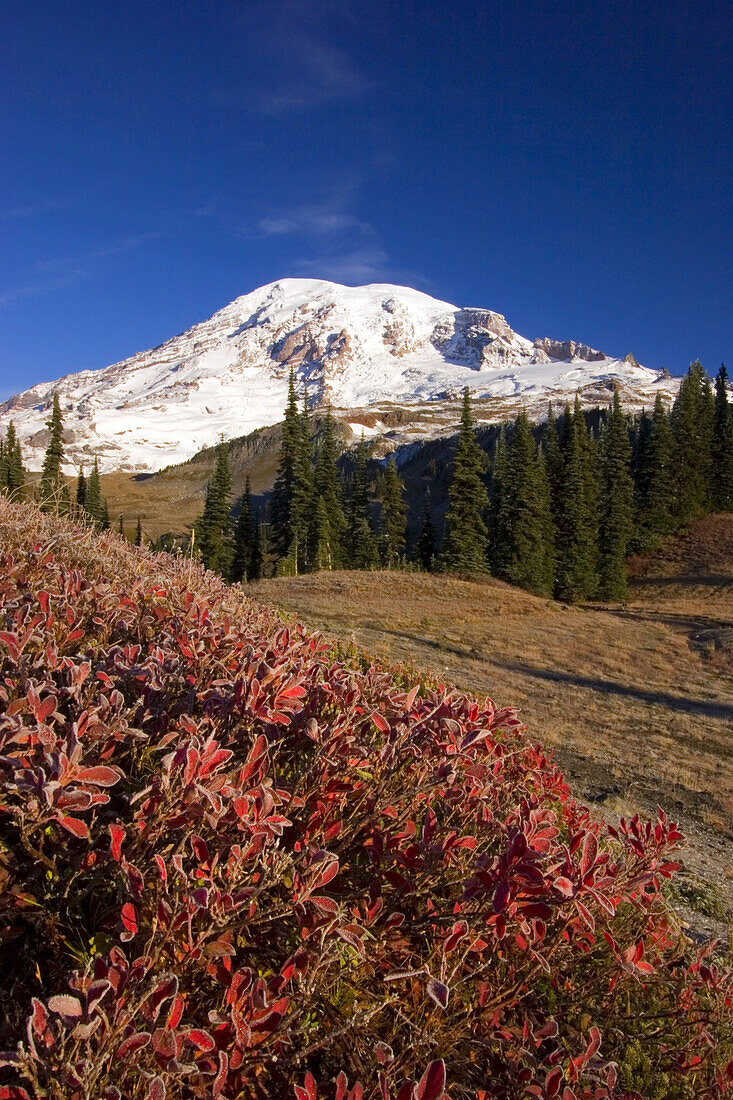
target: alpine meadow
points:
(366, 666)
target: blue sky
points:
(567, 164)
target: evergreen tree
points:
(13, 477)
(213, 526)
(103, 515)
(301, 512)
(467, 536)
(722, 446)
(12, 474)
(121, 527)
(656, 480)
(393, 520)
(51, 482)
(616, 516)
(363, 552)
(243, 538)
(426, 541)
(498, 504)
(693, 429)
(553, 459)
(527, 510)
(576, 524)
(139, 533)
(81, 489)
(281, 508)
(641, 470)
(93, 497)
(330, 524)
(256, 557)
(591, 471)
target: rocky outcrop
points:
(568, 349)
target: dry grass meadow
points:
(635, 700)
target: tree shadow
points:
(684, 704)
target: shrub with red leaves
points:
(231, 865)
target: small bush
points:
(231, 865)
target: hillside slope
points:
(235, 863)
(386, 349)
(636, 715)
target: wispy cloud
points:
(32, 209)
(57, 274)
(363, 265)
(305, 67)
(313, 221)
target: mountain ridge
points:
(367, 351)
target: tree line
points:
(555, 509)
(559, 507)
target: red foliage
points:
(273, 869)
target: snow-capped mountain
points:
(367, 350)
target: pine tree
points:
(693, 429)
(527, 510)
(393, 520)
(363, 552)
(3, 468)
(284, 487)
(103, 515)
(213, 526)
(12, 477)
(617, 501)
(576, 523)
(656, 481)
(81, 489)
(256, 557)
(139, 532)
(93, 496)
(301, 512)
(722, 446)
(330, 524)
(591, 470)
(426, 541)
(243, 538)
(466, 541)
(121, 527)
(553, 459)
(498, 504)
(51, 482)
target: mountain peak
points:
(358, 348)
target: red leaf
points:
(99, 776)
(13, 1092)
(199, 1039)
(65, 1005)
(328, 905)
(74, 826)
(129, 918)
(117, 834)
(133, 1043)
(221, 1078)
(553, 1082)
(380, 722)
(590, 851)
(438, 992)
(432, 1083)
(564, 886)
(156, 1089)
(325, 876)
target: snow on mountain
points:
(363, 349)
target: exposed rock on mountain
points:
(388, 351)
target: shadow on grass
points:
(682, 703)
